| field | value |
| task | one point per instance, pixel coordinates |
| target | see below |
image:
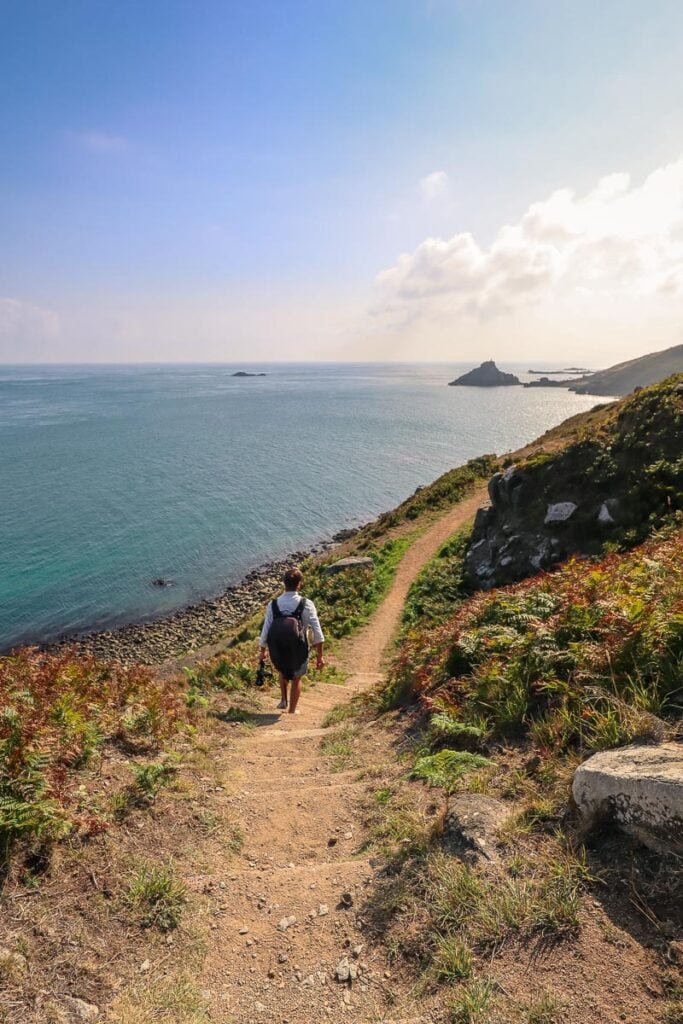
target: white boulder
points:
(639, 788)
(560, 512)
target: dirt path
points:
(279, 929)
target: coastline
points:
(155, 641)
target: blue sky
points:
(210, 180)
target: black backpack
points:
(287, 644)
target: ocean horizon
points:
(117, 475)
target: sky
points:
(189, 180)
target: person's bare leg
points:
(295, 694)
(283, 692)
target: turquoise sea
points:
(113, 476)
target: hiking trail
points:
(280, 930)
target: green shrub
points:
(588, 657)
(55, 712)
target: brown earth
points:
(279, 930)
(304, 844)
(307, 818)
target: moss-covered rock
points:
(618, 478)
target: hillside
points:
(635, 373)
(609, 476)
(623, 378)
(176, 852)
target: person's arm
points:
(319, 659)
(267, 622)
(317, 637)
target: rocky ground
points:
(194, 627)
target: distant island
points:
(622, 378)
(485, 376)
(567, 369)
(244, 373)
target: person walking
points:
(285, 637)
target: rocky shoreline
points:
(195, 626)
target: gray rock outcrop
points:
(344, 564)
(639, 789)
(532, 523)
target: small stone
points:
(357, 950)
(144, 966)
(323, 909)
(346, 900)
(271, 973)
(348, 835)
(243, 931)
(283, 958)
(82, 1010)
(346, 996)
(260, 1008)
(285, 922)
(343, 972)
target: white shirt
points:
(287, 603)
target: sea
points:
(112, 477)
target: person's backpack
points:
(287, 644)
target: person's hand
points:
(320, 663)
(261, 655)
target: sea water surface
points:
(111, 477)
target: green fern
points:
(447, 767)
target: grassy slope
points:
(513, 688)
(624, 377)
(532, 678)
(102, 773)
(629, 451)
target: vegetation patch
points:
(156, 896)
(446, 491)
(440, 587)
(57, 712)
(587, 658)
(447, 768)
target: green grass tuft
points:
(156, 896)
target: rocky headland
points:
(621, 378)
(485, 376)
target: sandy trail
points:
(304, 838)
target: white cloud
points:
(434, 187)
(618, 241)
(99, 142)
(26, 331)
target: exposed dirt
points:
(281, 931)
(303, 842)
(306, 817)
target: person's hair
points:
(293, 578)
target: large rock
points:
(485, 376)
(344, 564)
(638, 788)
(471, 826)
